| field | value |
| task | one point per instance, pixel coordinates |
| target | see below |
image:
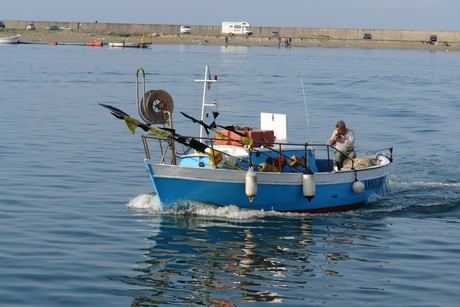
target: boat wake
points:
(403, 185)
(420, 199)
(149, 203)
(403, 199)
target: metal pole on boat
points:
(207, 81)
(138, 99)
(306, 108)
(203, 103)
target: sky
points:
(442, 15)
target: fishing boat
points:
(10, 40)
(252, 168)
(127, 45)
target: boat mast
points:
(203, 103)
(206, 87)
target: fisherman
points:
(343, 140)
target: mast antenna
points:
(306, 109)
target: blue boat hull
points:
(275, 191)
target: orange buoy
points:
(53, 43)
(94, 44)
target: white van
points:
(236, 27)
(185, 30)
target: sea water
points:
(81, 226)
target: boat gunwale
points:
(276, 178)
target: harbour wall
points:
(302, 33)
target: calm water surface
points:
(79, 225)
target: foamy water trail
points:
(149, 203)
(145, 202)
(404, 185)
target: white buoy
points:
(358, 187)
(250, 181)
(308, 185)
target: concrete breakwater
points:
(155, 33)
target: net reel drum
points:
(156, 107)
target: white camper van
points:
(236, 27)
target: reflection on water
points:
(203, 260)
(200, 254)
(197, 260)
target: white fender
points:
(358, 187)
(308, 185)
(250, 181)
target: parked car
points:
(68, 28)
(2, 25)
(433, 39)
(275, 33)
(30, 26)
(185, 30)
(367, 36)
(53, 28)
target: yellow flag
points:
(215, 156)
(220, 135)
(131, 123)
(160, 133)
(247, 140)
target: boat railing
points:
(274, 150)
(168, 147)
(207, 146)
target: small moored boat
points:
(253, 168)
(127, 45)
(10, 40)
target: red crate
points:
(259, 137)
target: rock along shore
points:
(79, 36)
